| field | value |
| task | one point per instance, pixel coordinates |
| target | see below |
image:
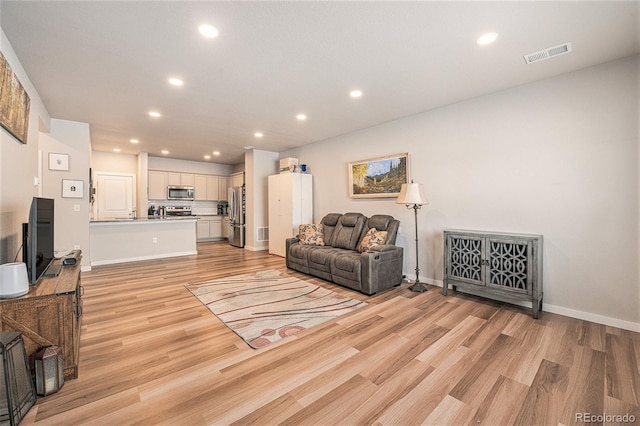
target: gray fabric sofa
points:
(339, 260)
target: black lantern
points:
(49, 370)
(17, 393)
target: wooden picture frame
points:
(14, 103)
(72, 188)
(380, 177)
(58, 161)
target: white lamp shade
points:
(412, 193)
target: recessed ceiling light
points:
(154, 114)
(216, 153)
(487, 38)
(116, 149)
(258, 134)
(207, 157)
(301, 117)
(134, 140)
(164, 151)
(176, 81)
(355, 93)
(208, 31)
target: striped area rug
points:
(267, 306)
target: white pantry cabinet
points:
(290, 205)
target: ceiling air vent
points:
(547, 53)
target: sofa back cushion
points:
(383, 222)
(348, 231)
(329, 223)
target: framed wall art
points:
(72, 188)
(378, 177)
(58, 161)
(14, 103)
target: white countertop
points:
(151, 219)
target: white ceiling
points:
(107, 64)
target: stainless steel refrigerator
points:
(236, 216)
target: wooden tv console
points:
(50, 314)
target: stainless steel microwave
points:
(180, 193)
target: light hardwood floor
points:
(151, 353)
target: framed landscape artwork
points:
(378, 177)
(14, 103)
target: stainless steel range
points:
(178, 210)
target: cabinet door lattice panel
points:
(466, 257)
(509, 265)
(495, 264)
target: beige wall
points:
(259, 165)
(557, 157)
(114, 163)
(71, 214)
(19, 165)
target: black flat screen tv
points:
(38, 251)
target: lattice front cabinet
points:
(495, 264)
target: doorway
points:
(115, 196)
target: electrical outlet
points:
(155, 239)
(76, 247)
(76, 207)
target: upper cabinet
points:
(200, 187)
(180, 179)
(223, 185)
(157, 185)
(237, 179)
(206, 187)
(213, 188)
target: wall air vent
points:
(263, 233)
(547, 53)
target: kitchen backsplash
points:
(197, 207)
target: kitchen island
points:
(130, 240)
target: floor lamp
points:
(412, 196)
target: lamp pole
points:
(417, 285)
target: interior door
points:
(115, 194)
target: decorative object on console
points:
(412, 196)
(72, 188)
(378, 177)
(266, 306)
(14, 281)
(49, 370)
(16, 387)
(14, 103)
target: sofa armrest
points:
(381, 268)
(384, 247)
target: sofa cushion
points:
(372, 238)
(348, 230)
(329, 223)
(312, 234)
(383, 222)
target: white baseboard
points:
(139, 258)
(567, 312)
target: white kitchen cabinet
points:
(200, 187)
(209, 228)
(157, 185)
(225, 227)
(173, 179)
(290, 205)
(237, 179)
(223, 187)
(187, 179)
(180, 179)
(213, 189)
